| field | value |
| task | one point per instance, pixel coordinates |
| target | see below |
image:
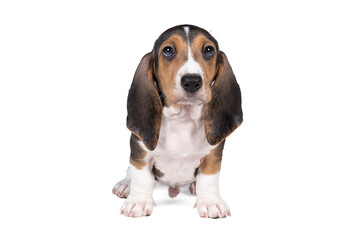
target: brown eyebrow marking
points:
(208, 66)
(167, 70)
(175, 31)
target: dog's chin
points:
(191, 101)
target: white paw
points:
(212, 209)
(122, 188)
(137, 208)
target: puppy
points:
(183, 102)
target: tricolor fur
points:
(183, 102)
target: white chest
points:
(181, 146)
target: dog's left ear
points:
(223, 114)
(144, 105)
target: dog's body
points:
(181, 145)
(183, 103)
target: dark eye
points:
(208, 51)
(168, 51)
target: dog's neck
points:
(182, 132)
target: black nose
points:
(191, 83)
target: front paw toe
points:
(137, 208)
(213, 209)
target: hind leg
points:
(192, 188)
(122, 188)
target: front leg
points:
(140, 201)
(209, 203)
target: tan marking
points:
(208, 67)
(168, 69)
(211, 163)
(137, 154)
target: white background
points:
(291, 171)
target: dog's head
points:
(185, 67)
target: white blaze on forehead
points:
(187, 32)
(190, 66)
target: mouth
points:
(190, 101)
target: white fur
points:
(189, 67)
(122, 188)
(182, 144)
(209, 203)
(186, 28)
(207, 187)
(139, 202)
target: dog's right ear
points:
(144, 105)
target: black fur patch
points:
(144, 105)
(137, 154)
(157, 173)
(224, 113)
(196, 172)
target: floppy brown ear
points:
(223, 114)
(144, 105)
